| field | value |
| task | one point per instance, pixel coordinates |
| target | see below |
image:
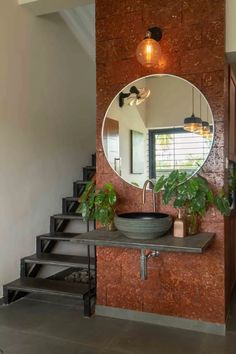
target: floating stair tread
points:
(81, 182)
(90, 168)
(60, 260)
(68, 216)
(46, 286)
(58, 236)
(72, 199)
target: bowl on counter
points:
(143, 225)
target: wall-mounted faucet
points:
(151, 185)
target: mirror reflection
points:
(155, 125)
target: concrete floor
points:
(37, 325)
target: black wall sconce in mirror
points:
(135, 96)
(148, 51)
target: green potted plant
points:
(193, 194)
(99, 204)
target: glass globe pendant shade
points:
(192, 124)
(205, 129)
(148, 52)
(209, 136)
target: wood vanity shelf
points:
(191, 244)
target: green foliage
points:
(194, 194)
(98, 204)
(105, 202)
(232, 182)
(87, 201)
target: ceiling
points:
(79, 16)
(81, 21)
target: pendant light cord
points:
(200, 104)
(193, 99)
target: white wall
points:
(47, 120)
(230, 45)
(171, 101)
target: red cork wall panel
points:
(184, 285)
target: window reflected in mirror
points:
(175, 149)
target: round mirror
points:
(157, 124)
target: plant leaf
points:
(159, 184)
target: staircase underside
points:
(78, 281)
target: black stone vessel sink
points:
(143, 226)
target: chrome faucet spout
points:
(146, 183)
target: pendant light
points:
(192, 124)
(206, 130)
(148, 51)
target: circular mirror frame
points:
(134, 82)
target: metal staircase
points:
(30, 282)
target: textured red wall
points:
(184, 285)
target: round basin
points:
(143, 226)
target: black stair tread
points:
(90, 167)
(69, 216)
(81, 182)
(47, 286)
(72, 199)
(60, 260)
(58, 236)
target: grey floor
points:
(38, 325)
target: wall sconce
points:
(135, 96)
(192, 124)
(149, 50)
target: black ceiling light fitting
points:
(206, 129)
(148, 51)
(192, 124)
(156, 33)
(134, 96)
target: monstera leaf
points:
(194, 194)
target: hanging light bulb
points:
(148, 51)
(205, 128)
(192, 124)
